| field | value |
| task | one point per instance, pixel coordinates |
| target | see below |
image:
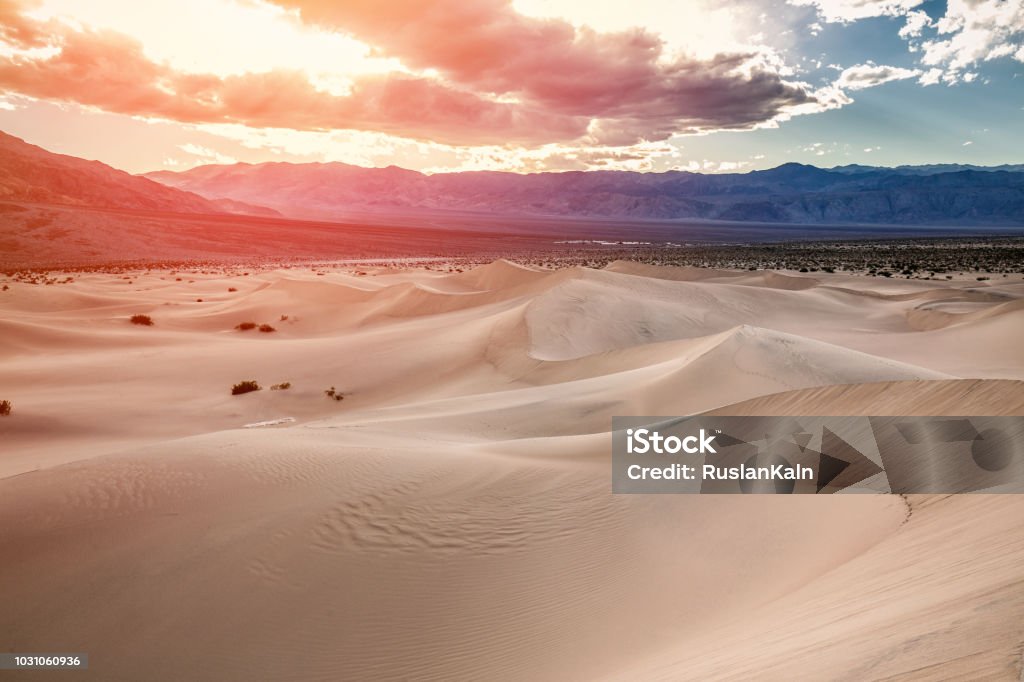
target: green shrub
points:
(245, 387)
(145, 320)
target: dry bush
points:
(145, 320)
(283, 386)
(5, 408)
(245, 326)
(245, 387)
(266, 328)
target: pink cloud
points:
(621, 80)
(506, 78)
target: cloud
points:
(973, 31)
(205, 154)
(110, 71)
(624, 83)
(869, 75)
(474, 73)
(970, 31)
(916, 22)
(844, 11)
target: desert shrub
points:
(245, 326)
(266, 328)
(230, 289)
(245, 387)
(982, 279)
(5, 408)
(145, 320)
(284, 318)
(283, 386)
(334, 393)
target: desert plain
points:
(451, 516)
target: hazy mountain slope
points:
(31, 174)
(791, 193)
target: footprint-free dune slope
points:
(451, 518)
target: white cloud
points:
(930, 77)
(917, 21)
(709, 166)
(869, 75)
(206, 154)
(851, 10)
(974, 31)
(970, 32)
(968, 143)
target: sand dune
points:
(451, 518)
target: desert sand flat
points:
(451, 517)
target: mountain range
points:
(790, 193)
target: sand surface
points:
(451, 518)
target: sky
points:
(517, 85)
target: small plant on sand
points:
(283, 386)
(230, 289)
(266, 328)
(144, 320)
(334, 393)
(245, 387)
(245, 326)
(5, 408)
